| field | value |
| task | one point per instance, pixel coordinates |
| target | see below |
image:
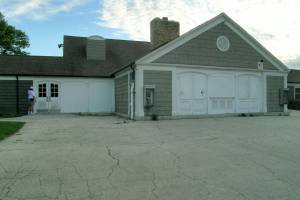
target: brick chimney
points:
(163, 31)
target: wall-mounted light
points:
(260, 65)
(60, 45)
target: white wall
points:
(82, 94)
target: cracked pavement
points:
(71, 157)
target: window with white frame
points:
(297, 93)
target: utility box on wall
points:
(149, 96)
(283, 96)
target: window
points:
(54, 90)
(297, 93)
(42, 90)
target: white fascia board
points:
(165, 67)
(8, 78)
(181, 40)
(205, 27)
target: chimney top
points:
(163, 30)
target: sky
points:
(274, 23)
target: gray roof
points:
(119, 53)
(294, 76)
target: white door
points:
(48, 95)
(249, 94)
(192, 93)
(221, 93)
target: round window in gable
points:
(223, 43)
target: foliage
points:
(12, 40)
(9, 128)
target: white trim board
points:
(222, 18)
(166, 66)
(8, 78)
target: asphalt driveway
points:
(74, 157)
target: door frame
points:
(48, 95)
(261, 91)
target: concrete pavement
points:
(83, 157)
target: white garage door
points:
(249, 94)
(221, 93)
(218, 93)
(74, 97)
(86, 96)
(192, 93)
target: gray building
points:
(216, 68)
(294, 89)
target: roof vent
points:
(95, 48)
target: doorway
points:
(48, 96)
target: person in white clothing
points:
(31, 100)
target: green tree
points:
(12, 40)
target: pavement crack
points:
(77, 172)
(154, 188)
(90, 194)
(60, 183)
(115, 159)
(3, 168)
(6, 189)
(239, 193)
(275, 175)
(66, 196)
(112, 169)
(41, 184)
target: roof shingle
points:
(294, 76)
(119, 53)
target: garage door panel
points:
(186, 91)
(243, 85)
(221, 85)
(192, 93)
(199, 86)
(185, 107)
(199, 106)
(74, 97)
(86, 96)
(221, 93)
(100, 97)
(249, 94)
(254, 86)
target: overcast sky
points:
(274, 23)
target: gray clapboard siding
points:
(291, 92)
(274, 83)
(121, 94)
(8, 97)
(162, 93)
(203, 50)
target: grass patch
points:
(9, 128)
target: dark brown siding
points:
(8, 97)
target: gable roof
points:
(222, 18)
(294, 76)
(119, 53)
